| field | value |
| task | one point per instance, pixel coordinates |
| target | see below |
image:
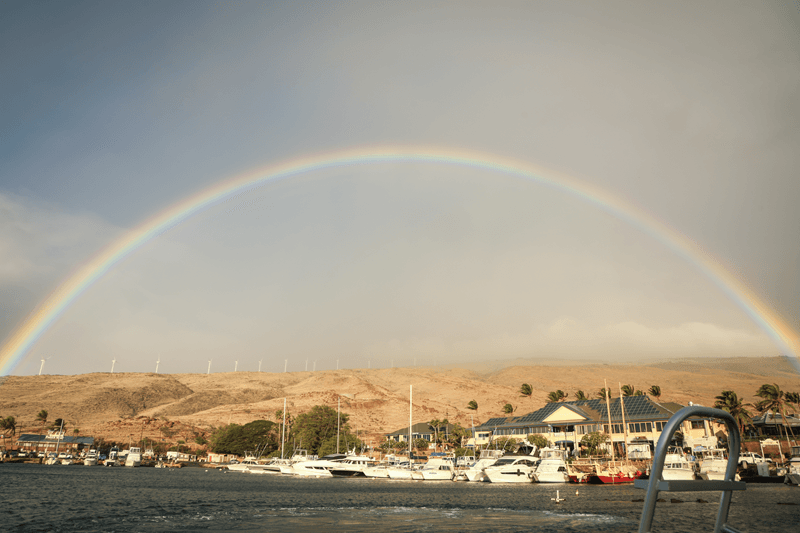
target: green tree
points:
(421, 444)
(316, 426)
(603, 392)
(628, 390)
(508, 408)
(8, 425)
(506, 443)
(557, 396)
(655, 391)
(730, 402)
(435, 424)
(472, 405)
(593, 440)
(42, 416)
(540, 441)
(526, 390)
(239, 440)
(775, 401)
(57, 424)
(581, 396)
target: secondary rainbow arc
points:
(48, 311)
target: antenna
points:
(209, 367)
(113, 362)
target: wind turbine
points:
(285, 364)
(159, 360)
(236, 366)
(209, 367)
(113, 362)
(315, 366)
(41, 367)
(259, 365)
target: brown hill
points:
(130, 406)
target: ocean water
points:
(78, 498)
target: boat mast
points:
(610, 428)
(283, 433)
(410, 410)
(624, 425)
(338, 420)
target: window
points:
(640, 427)
(697, 424)
(660, 426)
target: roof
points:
(421, 428)
(64, 440)
(637, 408)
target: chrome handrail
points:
(727, 486)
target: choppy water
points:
(79, 498)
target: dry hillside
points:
(123, 406)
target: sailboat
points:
(405, 471)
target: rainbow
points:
(48, 311)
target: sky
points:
(113, 112)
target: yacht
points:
(552, 467)
(475, 471)
(113, 457)
(436, 470)
(134, 457)
(91, 458)
(511, 469)
(713, 465)
(677, 466)
(793, 474)
(352, 465)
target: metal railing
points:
(656, 484)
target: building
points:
(34, 443)
(565, 423)
(422, 430)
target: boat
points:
(677, 466)
(113, 457)
(91, 458)
(249, 464)
(552, 467)
(404, 470)
(475, 471)
(713, 464)
(438, 469)
(134, 457)
(511, 469)
(614, 473)
(352, 465)
(793, 473)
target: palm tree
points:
(655, 391)
(42, 416)
(8, 425)
(556, 396)
(603, 392)
(581, 396)
(730, 402)
(435, 424)
(472, 405)
(508, 408)
(526, 390)
(774, 400)
(793, 397)
(628, 390)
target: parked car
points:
(750, 458)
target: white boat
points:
(677, 466)
(52, 459)
(380, 470)
(249, 464)
(511, 469)
(436, 470)
(352, 465)
(403, 470)
(91, 458)
(713, 464)
(475, 471)
(793, 474)
(134, 457)
(113, 457)
(312, 468)
(552, 467)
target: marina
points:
(199, 499)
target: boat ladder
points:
(655, 484)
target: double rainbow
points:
(48, 311)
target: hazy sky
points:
(110, 112)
